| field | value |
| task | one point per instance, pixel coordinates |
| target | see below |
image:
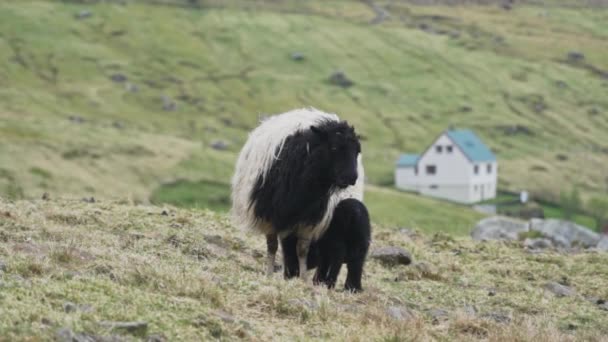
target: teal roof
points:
(407, 160)
(471, 145)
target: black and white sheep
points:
(291, 174)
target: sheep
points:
(291, 173)
(346, 240)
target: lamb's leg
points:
(272, 245)
(302, 248)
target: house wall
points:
(483, 185)
(405, 178)
(454, 178)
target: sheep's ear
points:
(322, 134)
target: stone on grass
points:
(399, 313)
(498, 228)
(340, 79)
(559, 290)
(539, 243)
(83, 14)
(602, 245)
(219, 145)
(392, 256)
(564, 233)
(297, 56)
(133, 328)
(118, 78)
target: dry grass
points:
(191, 275)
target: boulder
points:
(399, 313)
(559, 290)
(498, 228)
(340, 79)
(540, 243)
(564, 233)
(391, 256)
(602, 245)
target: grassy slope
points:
(225, 67)
(130, 263)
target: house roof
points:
(471, 145)
(408, 160)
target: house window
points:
(431, 169)
(489, 168)
(476, 169)
(416, 170)
(434, 186)
(439, 148)
(448, 148)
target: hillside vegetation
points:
(70, 268)
(126, 98)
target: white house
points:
(457, 167)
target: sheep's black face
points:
(343, 148)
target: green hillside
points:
(125, 99)
(75, 271)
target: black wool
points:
(311, 165)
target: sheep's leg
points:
(272, 245)
(302, 248)
(290, 257)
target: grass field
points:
(69, 267)
(125, 101)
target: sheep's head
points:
(343, 147)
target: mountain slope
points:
(116, 100)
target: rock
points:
(76, 119)
(156, 338)
(46, 196)
(559, 290)
(561, 157)
(539, 243)
(118, 125)
(297, 56)
(339, 78)
(168, 104)
(69, 307)
(498, 228)
(469, 310)
(118, 78)
(84, 14)
(67, 335)
(88, 199)
(399, 313)
(593, 111)
(224, 316)
(409, 232)
(575, 56)
(561, 84)
(498, 317)
(132, 88)
(219, 145)
(564, 233)
(438, 316)
(3, 267)
(392, 256)
(603, 306)
(133, 328)
(602, 245)
(164, 213)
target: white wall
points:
(405, 178)
(483, 185)
(454, 178)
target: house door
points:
(482, 190)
